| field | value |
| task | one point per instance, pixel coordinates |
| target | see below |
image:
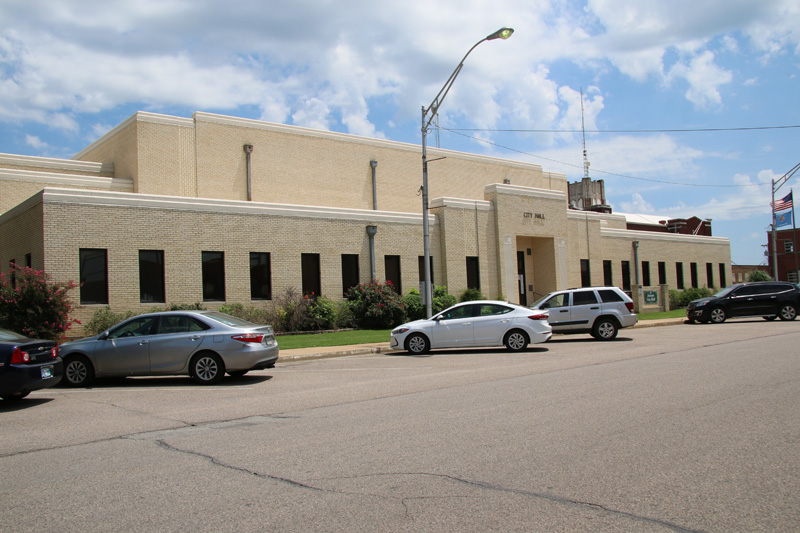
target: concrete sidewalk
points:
(302, 354)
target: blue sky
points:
(71, 70)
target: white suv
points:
(601, 311)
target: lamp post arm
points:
(434, 107)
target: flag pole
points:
(794, 240)
(774, 237)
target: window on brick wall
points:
(646, 273)
(94, 276)
(608, 275)
(662, 273)
(391, 264)
(213, 276)
(310, 266)
(722, 281)
(473, 273)
(679, 276)
(693, 272)
(151, 276)
(710, 275)
(260, 276)
(586, 273)
(421, 266)
(626, 276)
(350, 274)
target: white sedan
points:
(477, 323)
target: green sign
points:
(651, 297)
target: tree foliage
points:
(33, 305)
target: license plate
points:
(47, 372)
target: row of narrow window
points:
(94, 275)
(586, 279)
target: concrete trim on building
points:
(103, 198)
(57, 164)
(626, 234)
(75, 180)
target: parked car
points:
(202, 344)
(770, 299)
(471, 324)
(27, 365)
(600, 311)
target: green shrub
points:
(442, 299)
(344, 318)
(470, 295)
(412, 302)
(376, 306)
(33, 305)
(105, 318)
(757, 275)
(682, 298)
(321, 314)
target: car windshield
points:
(228, 320)
(8, 335)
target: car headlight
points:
(701, 304)
(398, 331)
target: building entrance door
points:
(523, 294)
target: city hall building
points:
(216, 209)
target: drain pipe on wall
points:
(248, 149)
(374, 165)
(371, 231)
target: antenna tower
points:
(583, 130)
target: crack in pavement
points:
(405, 499)
(213, 460)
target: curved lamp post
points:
(427, 117)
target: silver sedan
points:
(202, 344)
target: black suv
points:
(770, 299)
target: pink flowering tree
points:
(33, 305)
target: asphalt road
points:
(681, 428)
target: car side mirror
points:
(103, 337)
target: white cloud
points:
(704, 78)
(35, 142)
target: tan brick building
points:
(218, 209)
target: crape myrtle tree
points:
(33, 305)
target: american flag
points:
(784, 203)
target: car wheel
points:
(207, 368)
(718, 315)
(516, 341)
(417, 344)
(78, 372)
(788, 312)
(237, 373)
(605, 329)
(15, 396)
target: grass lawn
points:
(338, 338)
(675, 313)
(344, 338)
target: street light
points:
(430, 113)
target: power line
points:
(687, 130)
(458, 132)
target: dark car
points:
(27, 365)
(770, 299)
